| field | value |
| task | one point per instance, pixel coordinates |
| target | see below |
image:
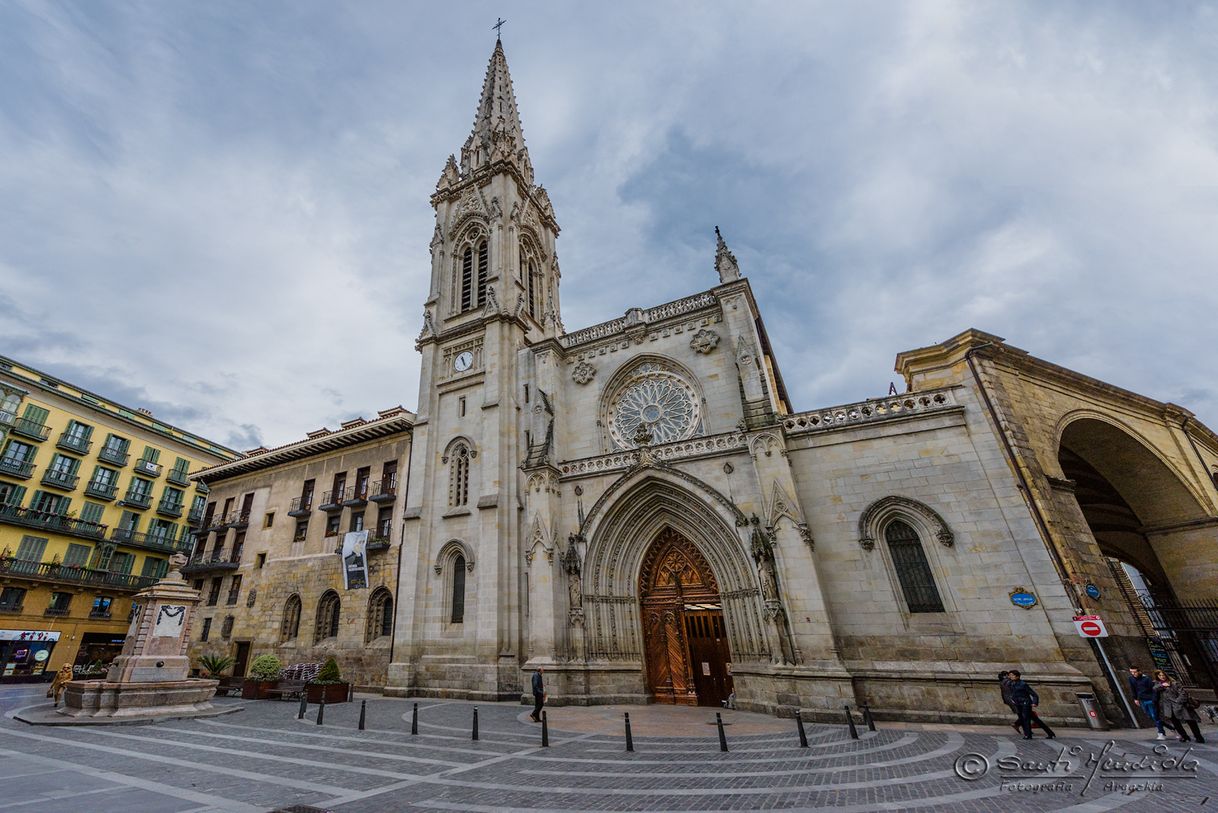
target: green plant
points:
(328, 675)
(266, 667)
(215, 664)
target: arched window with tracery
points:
(475, 259)
(912, 568)
(457, 616)
(327, 616)
(291, 619)
(458, 475)
(380, 615)
(530, 277)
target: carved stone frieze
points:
(704, 341)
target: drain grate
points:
(300, 809)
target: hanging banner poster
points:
(355, 560)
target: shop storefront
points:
(24, 655)
(97, 650)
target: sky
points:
(219, 211)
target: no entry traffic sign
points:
(1090, 626)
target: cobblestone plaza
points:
(263, 758)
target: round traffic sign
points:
(1090, 628)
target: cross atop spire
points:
(497, 133)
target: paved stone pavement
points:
(264, 759)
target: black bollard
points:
(363, 704)
(722, 735)
(854, 732)
(304, 704)
(475, 722)
(803, 735)
(545, 731)
(867, 718)
(321, 709)
(629, 739)
(414, 720)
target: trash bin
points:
(1093, 712)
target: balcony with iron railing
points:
(196, 516)
(49, 521)
(178, 477)
(113, 455)
(169, 508)
(333, 500)
(99, 614)
(7, 418)
(137, 499)
(79, 444)
(375, 544)
(30, 429)
(356, 496)
(101, 490)
(14, 467)
(148, 468)
(301, 506)
(385, 490)
(56, 478)
(55, 612)
(216, 560)
(71, 574)
(161, 542)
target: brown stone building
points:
(268, 557)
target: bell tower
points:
(493, 293)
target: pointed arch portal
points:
(685, 643)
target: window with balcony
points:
(122, 562)
(171, 501)
(362, 479)
(213, 595)
(234, 590)
(18, 459)
(114, 450)
(180, 473)
(101, 607)
(161, 532)
(332, 525)
(62, 472)
(306, 495)
(77, 555)
(46, 503)
(59, 604)
(139, 492)
(154, 567)
(12, 599)
(76, 438)
(357, 521)
(149, 462)
(339, 486)
(103, 483)
(206, 630)
(8, 408)
(238, 547)
(33, 423)
(92, 512)
(388, 486)
(302, 530)
(11, 494)
(198, 506)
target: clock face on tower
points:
(463, 361)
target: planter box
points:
(257, 689)
(333, 693)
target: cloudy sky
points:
(220, 210)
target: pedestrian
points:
(539, 695)
(1177, 706)
(1143, 689)
(60, 682)
(1004, 681)
(1026, 700)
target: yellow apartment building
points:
(94, 498)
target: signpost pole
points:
(1117, 684)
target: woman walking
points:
(1177, 706)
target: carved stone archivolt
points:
(449, 551)
(924, 518)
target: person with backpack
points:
(1025, 699)
(1178, 706)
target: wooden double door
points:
(685, 639)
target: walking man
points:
(1026, 700)
(1143, 689)
(539, 695)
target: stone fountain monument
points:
(149, 680)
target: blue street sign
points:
(1022, 598)
(1092, 590)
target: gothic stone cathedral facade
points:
(636, 506)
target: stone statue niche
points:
(149, 679)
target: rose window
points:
(655, 399)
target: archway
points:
(1145, 521)
(686, 652)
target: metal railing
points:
(74, 443)
(45, 520)
(148, 467)
(160, 542)
(104, 491)
(30, 429)
(50, 571)
(136, 499)
(59, 479)
(169, 508)
(111, 454)
(385, 490)
(16, 468)
(300, 505)
(179, 477)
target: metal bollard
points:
(545, 731)
(321, 709)
(722, 735)
(304, 704)
(629, 739)
(867, 718)
(363, 705)
(475, 722)
(803, 735)
(854, 732)
(414, 720)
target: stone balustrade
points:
(639, 316)
(870, 411)
(677, 450)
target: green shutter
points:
(152, 567)
(130, 521)
(151, 455)
(36, 414)
(92, 512)
(11, 494)
(76, 555)
(31, 548)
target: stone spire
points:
(497, 134)
(725, 260)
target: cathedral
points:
(637, 507)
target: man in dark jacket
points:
(1142, 687)
(1025, 699)
(539, 696)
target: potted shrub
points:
(264, 674)
(211, 666)
(328, 684)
